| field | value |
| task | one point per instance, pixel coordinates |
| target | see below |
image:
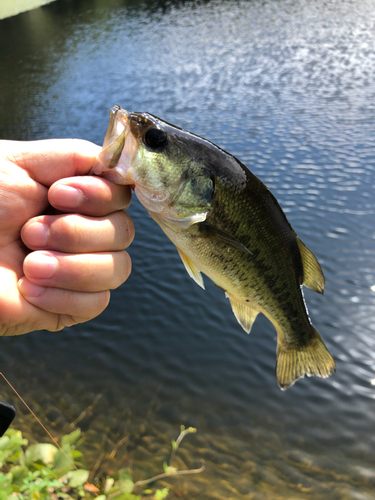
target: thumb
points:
(49, 160)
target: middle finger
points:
(73, 233)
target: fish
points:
(225, 224)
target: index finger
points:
(89, 195)
(48, 160)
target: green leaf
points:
(62, 471)
(12, 439)
(62, 459)
(19, 472)
(10, 446)
(10, 432)
(77, 477)
(4, 494)
(125, 481)
(63, 463)
(101, 497)
(4, 442)
(3, 456)
(44, 452)
(21, 458)
(5, 485)
(161, 494)
(71, 439)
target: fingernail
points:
(29, 289)
(36, 235)
(66, 196)
(40, 266)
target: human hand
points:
(76, 257)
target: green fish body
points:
(225, 224)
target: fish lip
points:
(118, 130)
(117, 116)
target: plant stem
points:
(161, 476)
(183, 433)
(174, 473)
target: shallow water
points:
(288, 87)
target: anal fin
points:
(294, 362)
(312, 272)
(244, 314)
(191, 268)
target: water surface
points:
(288, 87)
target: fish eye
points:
(155, 138)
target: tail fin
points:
(294, 362)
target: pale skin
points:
(58, 270)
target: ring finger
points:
(80, 272)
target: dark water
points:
(288, 87)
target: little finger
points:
(70, 306)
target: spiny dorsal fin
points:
(312, 272)
(294, 362)
(245, 315)
(191, 268)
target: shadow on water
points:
(288, 88)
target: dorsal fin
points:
(245, 314)
(312, 272)
(191, 269)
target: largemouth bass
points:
(226, 224)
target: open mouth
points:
(118, 145)
(115, 137)
(118, 123)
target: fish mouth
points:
(119, 148)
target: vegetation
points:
(48, 472)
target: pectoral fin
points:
(244, 314)
(208, 231)
(191, 269)
(312, 272)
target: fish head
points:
(157, 160)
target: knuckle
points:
(126, 196)
(122, 269)
(102, 301)
(124, 229)
(65, 232)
